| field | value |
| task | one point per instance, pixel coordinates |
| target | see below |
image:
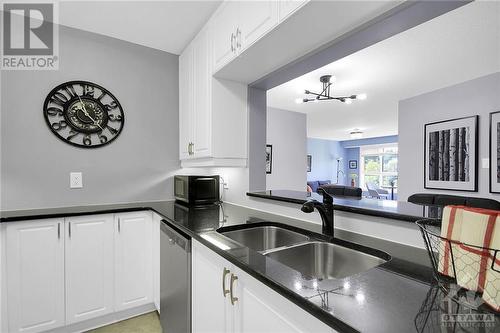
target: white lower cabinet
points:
(156, 260)
(258, 308)
(211, 309)
(64, 271)
(133, 260)
(89, 267)
(35, 275)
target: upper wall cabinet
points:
(238, 24)
(268, 35)
(212, 112)
(225, 23)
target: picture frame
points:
(353, 164)
(451, 154)
(269, 159)
(309, 163)
(494, 152)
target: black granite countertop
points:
(399, 210)
(394, 297)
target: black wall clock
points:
(83, 114)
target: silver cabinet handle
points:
(238, 38)
(232, 45)
(233, 299)
(59, 230)
(69, 229)
(119, 225)
(224, 290)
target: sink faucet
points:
(325, 210)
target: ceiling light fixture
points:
(325, 93)
(356, 134)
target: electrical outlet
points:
(75, 180)
(225, 181)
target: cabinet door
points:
(185, 102)
(202, 115)
(256, 19)
(133, 260)
(211, 309)
(156, 260)
(224, 33)
(288, 7)
(35, 275)
(274, 312)
(89, 267)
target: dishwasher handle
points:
(176, 237)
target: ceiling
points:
(458, 46)
(164, 25)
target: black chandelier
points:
(324, 95)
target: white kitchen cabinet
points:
(211, 309)
(257, 18)
(186, 101)
(288, 7)
(156, 260)
(34, 255)
(276, 314)
(202, 111)
(237, 25)
(89, 267)
(225, 23)
(133, 260)
(257, 309)
(212, 112)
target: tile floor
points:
(147, 323)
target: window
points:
(379, 165)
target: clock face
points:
(83, 114)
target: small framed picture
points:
(269, 158)
(495, 152)
(353, 164)
(450, 154)
(309, 162)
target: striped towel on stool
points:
(491, 293)
(451, 228)
(471, 261)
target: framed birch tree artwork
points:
(495, 152)
(450, 156)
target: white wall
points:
(35, 164)
(287, 133)
(475, 97)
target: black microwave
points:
(197, 190)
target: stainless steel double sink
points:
(314, 259)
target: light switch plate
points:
(75, 180)
(485, 163)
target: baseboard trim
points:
(105, 320)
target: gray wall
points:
(476, 97)
(137, 166)
(287, 132)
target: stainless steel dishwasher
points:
(175, 280)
